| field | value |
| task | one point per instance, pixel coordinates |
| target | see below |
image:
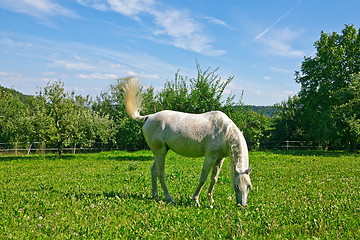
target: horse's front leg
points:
(208, 163)
(214, 178)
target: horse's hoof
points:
(240, 206)
(169, 200)
(155, 196)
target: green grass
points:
(108, 196)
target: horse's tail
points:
(131, 87)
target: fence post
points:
(42, 148)
(287, 145)
(29, 149)
(16, 148)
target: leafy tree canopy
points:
(324, 80)
(195, 95)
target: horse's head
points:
(242, 185)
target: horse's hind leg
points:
(214, 177)
(155, 194)
(160, 164)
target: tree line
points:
(61, 119)
(326, 110)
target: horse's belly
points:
(187, 148)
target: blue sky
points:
(88, 44)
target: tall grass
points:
(108, 196)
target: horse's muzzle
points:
(241, 198)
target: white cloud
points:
(268, 78)
(37, 8)
(98, 76)
(10, 75)
(283, 49)
(281, 70)
(115, 65)
(98, 5)
(279, 43)
(18, 81)
(125, 7)
(130, 7)
(49, 73)
(218, 22)
(11, 43)
(142, 75)
(184, 32)
(46, 80)
(72, 65)
(171, 26)
(175, 23)
(283, 94)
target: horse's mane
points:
(234, 138)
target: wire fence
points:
(294, 145)
(26, 148)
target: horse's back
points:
(186, 134)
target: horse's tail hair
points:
(131, 87)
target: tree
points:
(348, 113)
(68, 118)
(12, 114)
(287, 121)
(202, 94)
(62, 113)
(323, 79)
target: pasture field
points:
(108, 196)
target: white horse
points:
(212, 134)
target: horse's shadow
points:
(143, 197)
(109, 195)
(131, 158)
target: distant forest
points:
(268, 111)
(21, 96)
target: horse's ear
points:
(248, 171)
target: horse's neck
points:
(239, 151)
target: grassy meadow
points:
(108, 196)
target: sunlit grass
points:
(108, 195)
